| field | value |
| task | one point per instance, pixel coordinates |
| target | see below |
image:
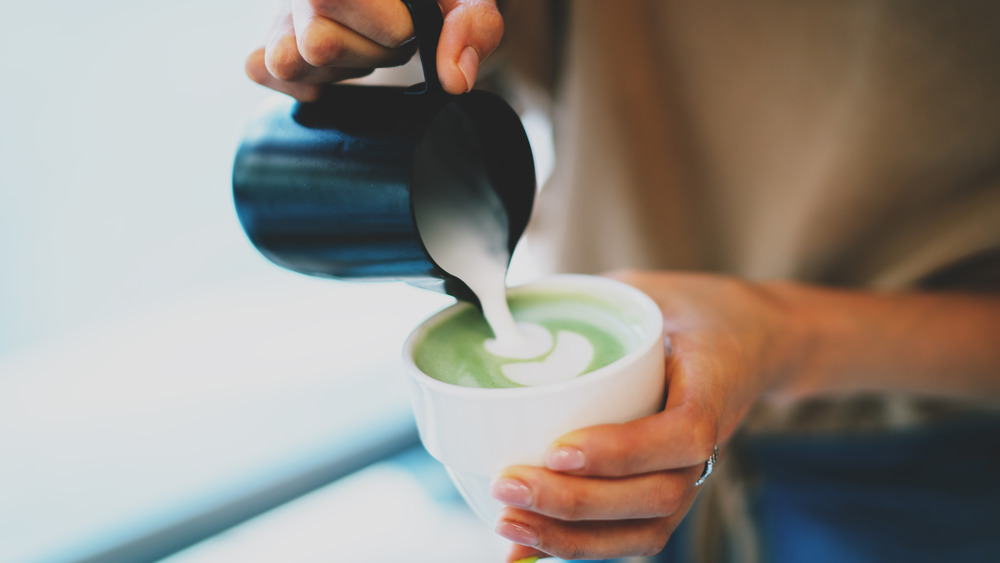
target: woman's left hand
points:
(621, 489)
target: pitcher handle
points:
(427, 25)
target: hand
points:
(621, 489)
(318, 42)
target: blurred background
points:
(160, 381)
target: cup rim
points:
(652, 325)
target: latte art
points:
(571, 335)
(528, 341)
(570, 358)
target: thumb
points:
(472, 31)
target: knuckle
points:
(396, 37)
(574, 508)
(569, 551)
(618, 466)
(492, 26)
(624, 456)
(703, 438)
(282, 59)
(566, 504)
(668, 503)
(320, 47)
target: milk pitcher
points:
(327, 188)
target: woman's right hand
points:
(317, 42)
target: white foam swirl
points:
(568, 359)
(527, 341)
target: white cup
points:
(476, 432)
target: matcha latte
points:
(578, 334)
(603, 363)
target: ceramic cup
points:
(476, 432)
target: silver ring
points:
(709, 466)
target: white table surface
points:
(168, 411)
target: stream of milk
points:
(465, 231)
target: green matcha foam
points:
(454, 350)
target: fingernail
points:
(468, 64)
(517, 533)
(564, 459)
(533, 559)
(511, 491)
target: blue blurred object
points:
(926, 494)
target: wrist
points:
(809, 335)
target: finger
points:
(281, 54)
(386, 22)
(256, 69)
(682, 435)
(323, 42)
(573, 498)
(672, 439)
(587, 539)
(284, 62)
(472, 31)
(281, 67)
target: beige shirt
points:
(842, 143)
(850, 144)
